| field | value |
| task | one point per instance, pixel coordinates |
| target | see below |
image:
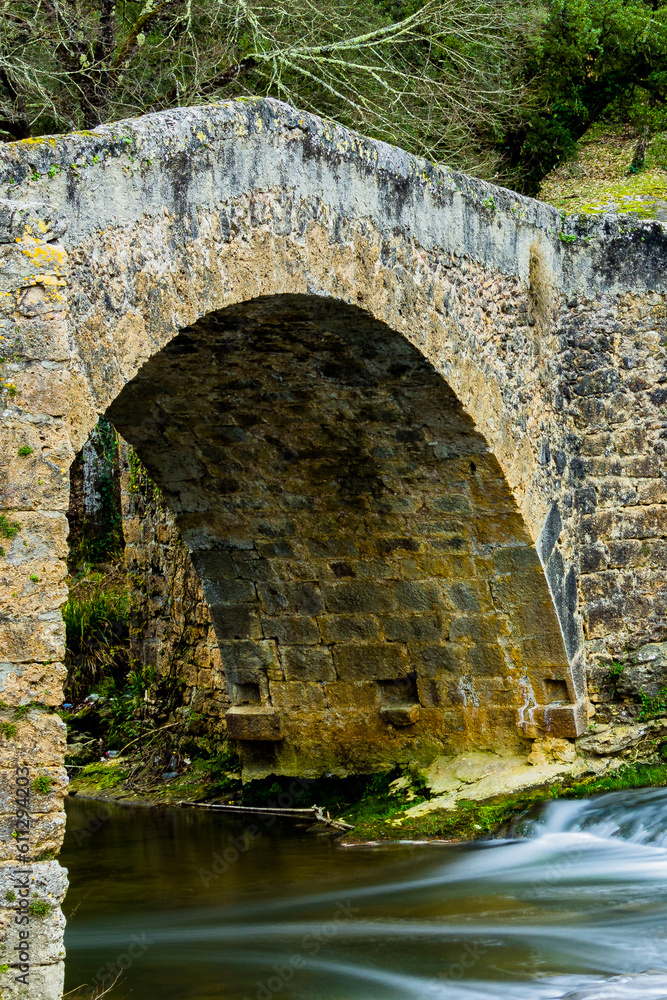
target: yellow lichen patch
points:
(39, 140)
(44, 255)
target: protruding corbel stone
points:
(253, 722)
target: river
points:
(191, 905)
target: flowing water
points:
(190, 904)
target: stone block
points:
(478, 628)
(46, 834)
(362, 696)
(381, 661)
(516, 559)
(547, 648)
(228, 592)
(486, 659)
(239, 621)
(364, 597)
(414, 628)
(255, 569)
(452, 503)
(31, 638)
(307, 663)
(253, 722)
(432, 659)
(247, 661)
(338, 546)
(417, 595)
(519, 588)
(400, 715)
(214, 564)
(280, 549)
(39, 741)
(301, 598)
(646, 673)
(291, 630)
(22, 683)
(563, 721)
(297, 696)
(349, 628)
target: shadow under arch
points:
(373, 588)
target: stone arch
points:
(113, 241)
(373, 587)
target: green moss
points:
(8, 529)
(8, 730)
(10, 896)
(103, 776)
(372, 817)
(39, 908)
(42, 784)
(599, 175)
(24, 450)
(653, 706)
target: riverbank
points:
(467, 797)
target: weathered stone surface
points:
(250, 722)
(645, 673)
(400, 715)
(610, 740)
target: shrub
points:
(96, 621)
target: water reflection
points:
(188, 905)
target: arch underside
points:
(374, 590)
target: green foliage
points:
(42, 784)
(435, 76)
(124, 701)
(96, 623)
(104, 776)
(39, 908)
(10, 896)
(25, 450)
(99, 538)
(8, 730)
(653, 706)
(8, 529)
(592, 57)
(470, 820)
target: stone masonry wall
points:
(171, 630)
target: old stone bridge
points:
(411, 428)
